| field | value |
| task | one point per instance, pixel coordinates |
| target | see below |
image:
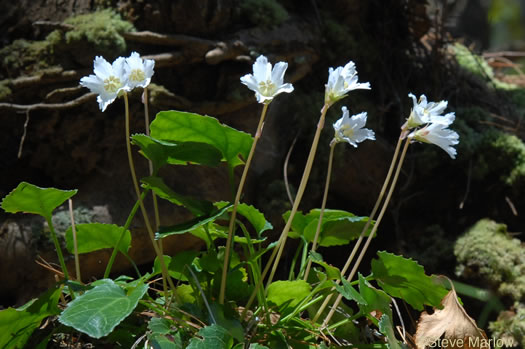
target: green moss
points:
(23, 57)
(501, 154)
(471, 62)
(5, 91)
(487, 252)
(510, 326)
(264, 13)
(101, 29)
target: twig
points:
(23, 138)
(152, 38)
(50, 106)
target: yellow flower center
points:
(112, 84)
(346, 131)
(267, 88)
(137, 75)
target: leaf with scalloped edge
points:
(98, 311)
(177, 126)
(182, 153)
(97, 236)
(406, 279)
(29, 198)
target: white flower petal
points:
(439, 135)
(350, 129)
(265, 81)
(278, 73)
(102, 68)
(341, 81)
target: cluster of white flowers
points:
(123, 75)
(268, 83)
(435, 129)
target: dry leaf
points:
(459, 329)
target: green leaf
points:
(213, 337)
(376, 300)
(220, 232)
(253, 215)
(178, 263)
(17, 325)
(287, 294)
(162, 336)
(96, 236)
(177, 126)
(159, 325)
(386, 328)
(161, 153)
(98, 311)
(349, 292)
(332, 272)
(190, 225)
(196, 206)
(338, 227)
(29, 198)
(406, 279)
(227, 321)
(159, 341)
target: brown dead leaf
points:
(459, 329)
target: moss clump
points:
(471, 62)
(101, 28)
(98, 32)
(510, 326)
(24, 57)
(501, 154)
(487, 252)
(5, 91)
(264, 13)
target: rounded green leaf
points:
(177, 126)
(98, 311)
(96, 236)
(181, 153)
(253, 215)
(29, 198)
(288, 294)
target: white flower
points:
(265, 82)
(341, 81)
(138, 71)
(109, 80)
(439, 135)
(350, 129)
(424, 112)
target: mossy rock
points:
(487, 253)
(502, 154)
(510, 326)
(24, 57)
(93, 33)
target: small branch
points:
(23, 138)
(46, 77)
(51, 106)
(51, 25)
(152, 38)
